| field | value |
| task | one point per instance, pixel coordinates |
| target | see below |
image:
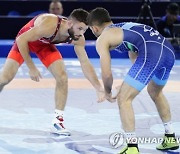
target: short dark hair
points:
(173, 8)
(98, 16)
(80, 15)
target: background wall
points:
(127, 10)
(120, 11)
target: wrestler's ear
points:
(70, 23)
(95, 29)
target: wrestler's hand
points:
(35, 74)
(100, 96)
(109, 98)
(117, 90)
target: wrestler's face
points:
(77, 30)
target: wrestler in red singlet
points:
(44, 48)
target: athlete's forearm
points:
(90, 74)
(24, 50)
(107, 81)
(87, 67)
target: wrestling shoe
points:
(129, 150)
(58, 127)
(169, 143)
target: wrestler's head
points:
(79, 24)
(97, 18)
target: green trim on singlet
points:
(130, 47)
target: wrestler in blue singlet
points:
(155, 55)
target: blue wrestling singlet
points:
(155, 54)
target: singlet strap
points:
(57, 28)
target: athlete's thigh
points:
(57, 68)
(48, 54)
(51, 58)
(10, 69)
(166, 63)
(154, 88)
(127, 92)
(15, 54)
(139, 74)
(144, 67)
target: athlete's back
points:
(136, 35)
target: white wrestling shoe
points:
(58, 127)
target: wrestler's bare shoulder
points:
(46, 17)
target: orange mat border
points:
(172, 86)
